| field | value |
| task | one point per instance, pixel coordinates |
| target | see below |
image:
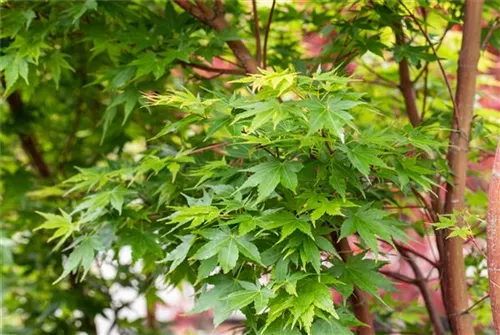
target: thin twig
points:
(229, 61)
(379, 82)
(426, 66)
(476, 303)
(212, 69)
(448, 86)
(416, 253)
(493, 27)
(258, 52)
(268, 28)
(398, 277)
(432, 215)
(425, 93)
(388, 81)
(210, 147)
(413, 251)
(424, 291)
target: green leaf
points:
(82, 255)
(362, 273)
(330, 116)
(179, 254)
(78, 11)
(268, 175)
(288, 222)
(252, 294)
(363, 157)
(56, 63)
(311, 254)
(63, 224)
(148, 63)
(15, 66)
(122, 76)
(216, 299)
(197, 215)
(330, 326)
(248, 249)
(228, 255)
(107, 119)
(117, 199)
(206, 267)
(370, 223)
(143, 244)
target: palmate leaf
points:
(228, 255)
(321, 205)
(197, 215)
(215, 298)
(310, 254)
(63, 224)
(288, 223)
(252, 293)
(279, 82)
(370, 223)
(362, 157)
(143, 243)
(312, 297)
(281, 327)
(331, 115)
(266, 111)
(268, 175)
(82, 255)
(179, 254)
(330, 326)
(360, 272)
(227, 247)
(98, 201)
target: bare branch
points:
(493, 27)
(28, 141)
(258, 52)
(424, 290)
(212, 69)
(214, 18)
(268, 28)
(389, 82)
(448, 86)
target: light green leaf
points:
(63, 225)
(179, 254)
(228, 255)
(330, 326)
(248, 249)
(82, 255)
(268, 175)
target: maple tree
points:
(278, 181)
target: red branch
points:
(215, 19)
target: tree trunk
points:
(493, 233)
(453, 263)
